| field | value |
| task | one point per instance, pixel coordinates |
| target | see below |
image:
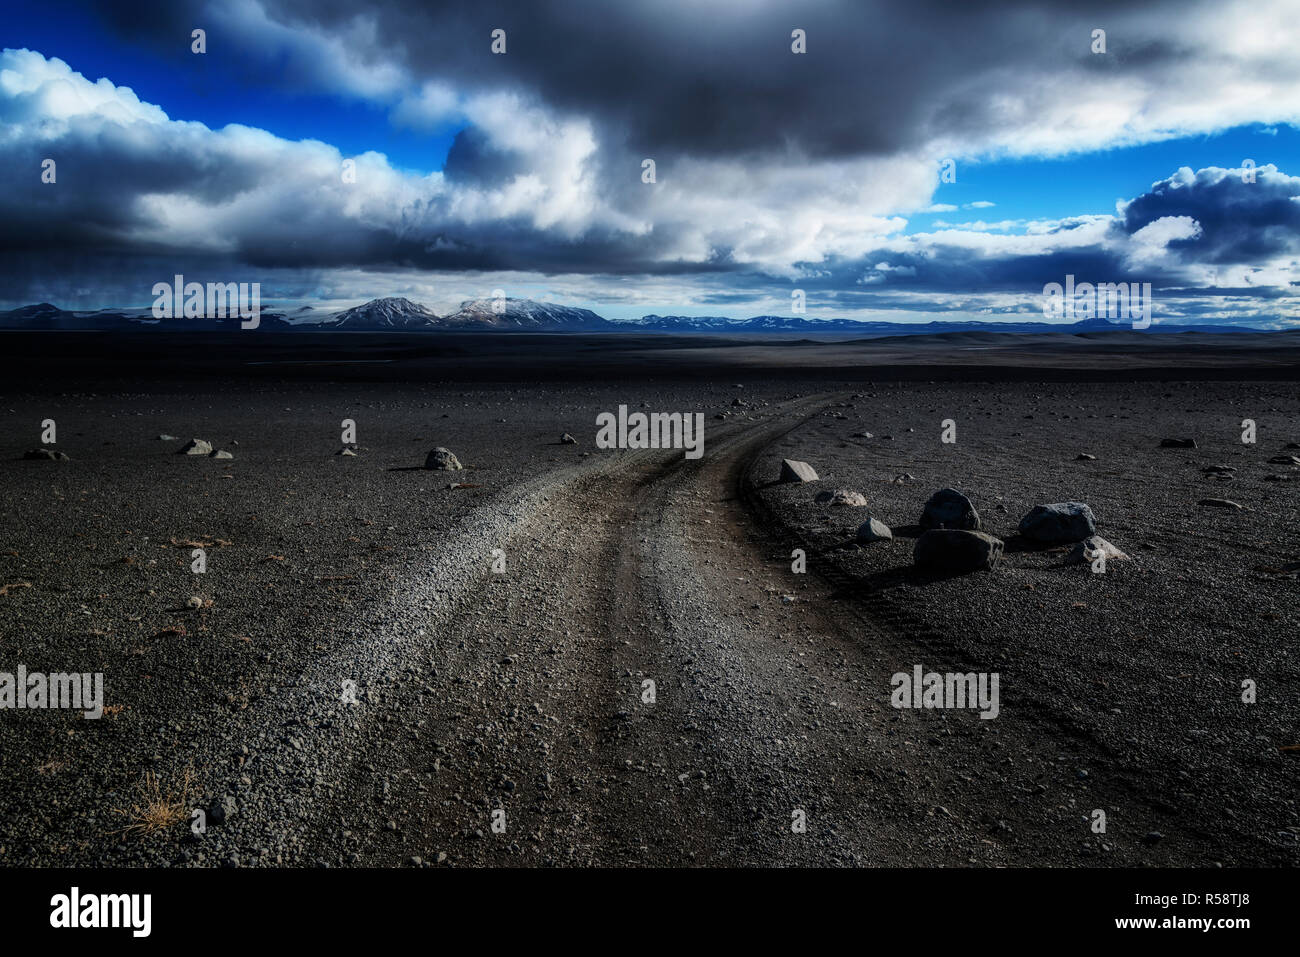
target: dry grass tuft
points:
(154, 809)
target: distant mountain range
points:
(397, 314)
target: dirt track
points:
(772, 694)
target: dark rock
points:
(948, 508)
(957, 550)
(443, 459)
(221, 810)
(1058, 524)
(1178, 443)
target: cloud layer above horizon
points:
(774, 170)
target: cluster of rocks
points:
(953, 540)
(202, 447)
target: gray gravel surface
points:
(521, 696)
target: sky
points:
(917, 161)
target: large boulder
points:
(1061, 523)
(948, 508)
(956, 550)
(792, 471)
(443, 459)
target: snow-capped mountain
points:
(393, 312)
(524, 315)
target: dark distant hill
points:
(43, 315)
(398, 314)
(716, 324)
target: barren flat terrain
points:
(523, 689)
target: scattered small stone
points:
(567, 439)
(862, 435)
(1059, 523)
(48, 455)
(221, 454)
(345, 451)
(443, 459)
(195, 447)
(949, 508)
(221, 810)
(1153, 837)
(794, 471)
(167, 438)
(841, 496)
(1178, 443)
(1284, 460)
(957, 550)
(874, 530)
(1085, 457)
(1219, 503)
(1219, 469)
(194, 603)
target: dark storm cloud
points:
(718, 78)
(775, 170)
(1245, 216)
